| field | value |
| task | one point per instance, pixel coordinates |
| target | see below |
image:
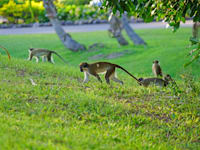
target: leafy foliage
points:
(195, 52)
(73, 12)
(16, 13)
(171, 11)
(2, 2)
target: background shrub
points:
(2, 2)
(21, 13)
(74, 12)
(17, 12)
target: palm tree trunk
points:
(116, 28)
(130, 32)
(195, 30)
(64, 37)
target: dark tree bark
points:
(130, 32)
(115, 29)
(64, 37)
(195, 30)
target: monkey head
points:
(140, 79)
(83, 66)
(168, 78)
(31, 49)
(155, 62)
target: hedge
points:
(21, 13)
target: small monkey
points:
(6, 51)
(156, 81)
(46, 54)
(156, 69)
(102, 67)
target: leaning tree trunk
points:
(115, 29)
(64, 37)
(132, 35)
(195, 30)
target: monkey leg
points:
(161, 74)
(86, 77)
(44, 58)
(37, 58)
(52, 60)
(49, 58)
(114, 78)
(109, 74)
(97, 76)
(30, 57)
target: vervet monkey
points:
(102, 67)
(156, 81)
(46, 54)
(6, 51)
(156, 69)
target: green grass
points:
(168, 47)
(62, 113)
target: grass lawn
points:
(168, 47)
(62, 113)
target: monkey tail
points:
(59, 56)
(6, 51)
(128, 73)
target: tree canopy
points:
(171, 11)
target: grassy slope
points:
(59, 112)
(170, 48)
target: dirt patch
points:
(110, 56)
(20, 72)
(95, 47)
(96, 57)
(118, 54)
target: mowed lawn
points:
(60, 112)
(171, 49)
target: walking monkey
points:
(102, 67)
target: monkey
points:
(102, 67)
(157, 81)
(46, 54)
(156, 69)
(6, 51)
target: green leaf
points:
(194, 40)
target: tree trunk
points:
(64, 37)
(31, 10)
(195, 30)
(115, 29)
(132, 35)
